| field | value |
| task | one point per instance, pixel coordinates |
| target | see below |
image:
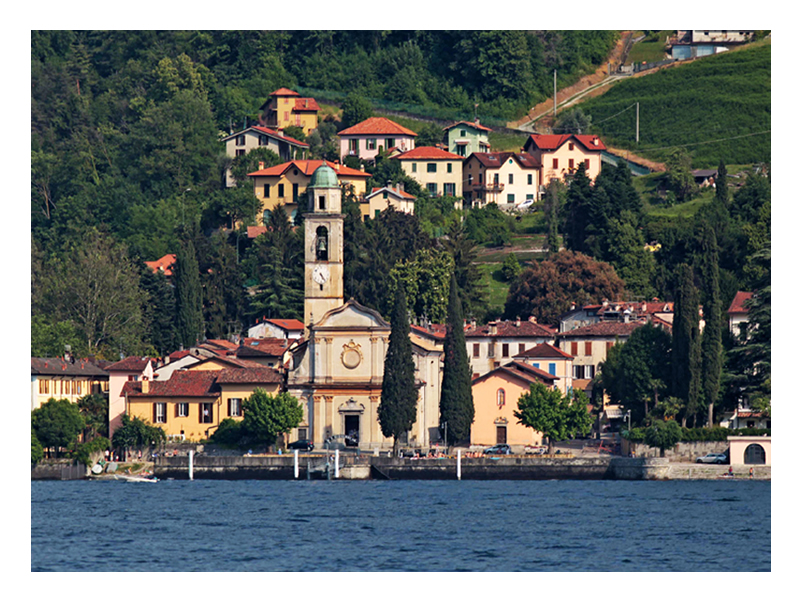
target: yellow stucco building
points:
(285, 108)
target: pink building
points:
(366, 139)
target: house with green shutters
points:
(464, 138)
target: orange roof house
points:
(163, 264)
(366, 139)
(437, 170)
(738, 310)
(285, 108)
(286, 184)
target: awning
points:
(614, 413)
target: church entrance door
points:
(352, 427)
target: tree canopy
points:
(556, 416)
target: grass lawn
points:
(650, 49)
(496, 287)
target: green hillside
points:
(717, 108)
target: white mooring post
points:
(296, 464)
(336, 463)
(191, 465)
(458, 465)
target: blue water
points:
(401, 526)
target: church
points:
(337, 371)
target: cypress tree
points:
(721, 184)
(188, 296)
(685, 349)
(712, 354)
(397, 411)
(455, 405)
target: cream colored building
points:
(495, 395)
(65, 378)
(337, 371)
(561, 155)
(240, 143)
(381, 199)
(494, 344)
(553, 361)
(436, 170)
(286, 184)
(504, 178)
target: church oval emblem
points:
(351, 355)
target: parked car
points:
(306, 445)
(527, 205)
(498, 449)
(712, 458)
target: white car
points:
(717, 459)
(526, 205)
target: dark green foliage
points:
(686, 342)
(711, 339)
(556, 416)
(250, 162)
(455, 404)
(188, 296)
(634, 373)
(488, 224)
(578, 216)
(37, 452)
(355, 109)
(137, 434)
(511, 267)
(663, 435)
(266, 415)
(721, 184)
(397, 410)
(57, 424)
(88, 452)
(94, 410)
(471, 289)
(231, 433)
(159, 311)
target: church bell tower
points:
(324, 245)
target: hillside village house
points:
(495, 396)
(381, 199)
(288, 329)
(242, 142)
(434, 169)
(285, 108)
(737, 312)
(589, 346)
(162, 265)
(287, 184)
(464, 138)
(191, 404)
(505, 178)
(67, 378)
(130, 368)
(553, 361)
(657, 311)
(365, 140)
(560, 155)
(491, 345)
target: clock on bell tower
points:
(324, 245)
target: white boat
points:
(137, 478)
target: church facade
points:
(337, 371)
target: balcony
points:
(491, 188)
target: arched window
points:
(501, 397)
(322, 243)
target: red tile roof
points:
(130, 363)
(59, 366)
(494, 160)
(306, 105)
(603, 329)
(307, 167)
(510, 329)
(163, 264)
(287, 324)
(519, 370)
(263, 346)
(738, 304)
(284, 92)
(377, 126)
(434, 331)
(543, 351)
(554, 142)
(255, 375)
(469, 124)
(428, 153)
(181, 384)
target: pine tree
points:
(188, 296)
(455, 405)
(397, 410)
(685, 349)
(712, 355)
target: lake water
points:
(365, 526)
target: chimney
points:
(518, 322)
(261, 165)
(493, 328)
(605, 303)
(145, 386)
(532, 319)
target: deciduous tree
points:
(555, 415)
(266, 416)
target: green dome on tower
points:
(324, 177)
